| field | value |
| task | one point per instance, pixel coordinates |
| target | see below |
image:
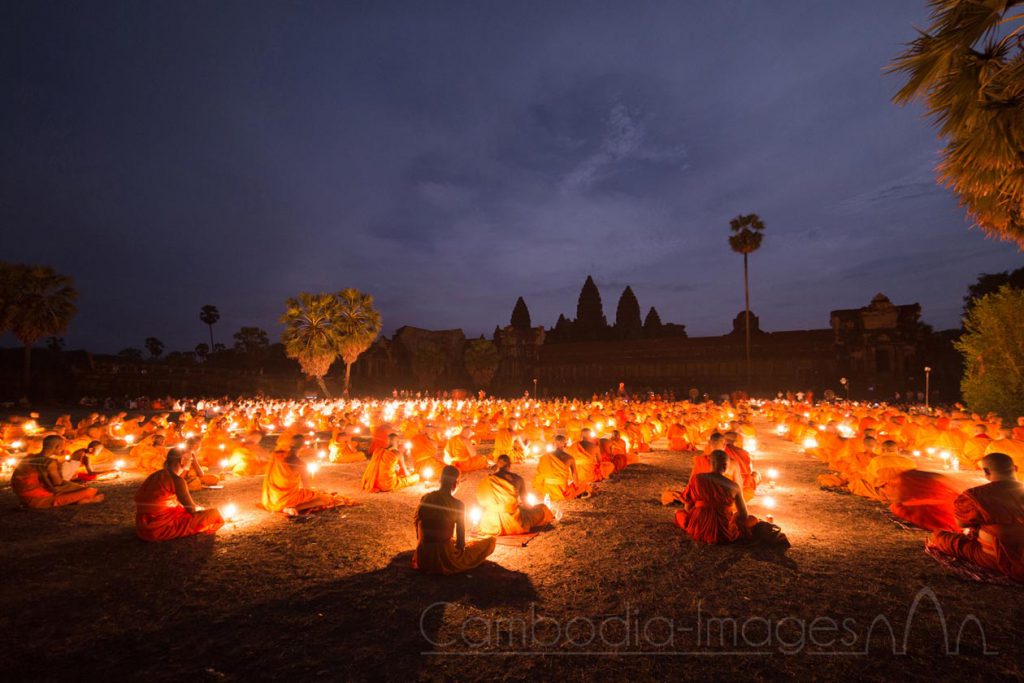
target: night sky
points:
(448, 157)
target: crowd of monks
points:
(919, 463)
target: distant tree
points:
(219, 348)
(521, 315)
(652, 323)
(311, 335)
(209, 315)
(202, 351)
(590, 322)
(627, 315)
(154, 346)
(358, 325)
(130, 354)
(990, 283)
(252, 343)
(968, 69)
(993, 348)
(428, 363)
(481, 360)
(180, 358)
(747, 234)
(35, 302)
(55, 344)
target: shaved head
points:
(998, 463)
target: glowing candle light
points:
(16, 445)
(768, 502)
(130, 439)
(930, 450)
(408, 446)
(119, 465)
(475, 515)
(531, 499)
(229, 512)
(428, 473)
(550, 448)
(773, 474)
(321, 454)
(224, 464)
(810, 442)
(222, 446)
(312, 468)
(917, 454)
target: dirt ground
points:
(613, 591)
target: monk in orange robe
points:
(615, 451)
(503, 498)
(38, 482)
(741, 459)
(925, 499)
(678, 440)
(880, 472)
(589, 466)
(425, 450)
(288, 487)
(439, 517)
(556, 475)
(164, 509)
(196, 477)
(508, 442)
(993, 515)
(1018, 431)
(387, 469)
(714, 511)
(150, 454)
(461, 452)
(342, 449)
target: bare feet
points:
(291, 512)
(98, 498)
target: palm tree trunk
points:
(28, 369)
(323, 387)
(211, 336)
(746, 297)
(348, 375)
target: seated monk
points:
(741, 458)
(589, 466)
(714, 511)
(164, 509)
(150, 453)
(924, 499)
(425, 450)
(615, 451)
(503, 498)
(461, 452)
(78, 466)
(440, 516)
(993, 515)
(387, 469)
(195, 476)
(508, 441)
(556, 475)
(678, 438)
(288, 487)
(342, 449)
(38, 482)
(880, 472)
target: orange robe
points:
(553, 479)
(424, 453)
(382, 473)
(712, 519)
(742, 469)
(282, 487)
(505, 443)
(458, 452)
(925, 499)
(29, 484)
(997, 511)
(589, 467)
(147, 456)
(678, 439)
(503, 515)
(436, 552)
(615, 453)
(160, 517)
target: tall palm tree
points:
(209, 315)
(968, 69)
(311, 334)
(359, 324)
(747, 233)
(38, 302)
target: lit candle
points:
(224, 464)
(312, 468)
(475, 515)
(130, 439)
(531, 499)
(119, 465)
(229, 512)
(428, 473)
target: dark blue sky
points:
(448, 157)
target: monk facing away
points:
(164, 509)
(993, 518)
(288, 485)
(439, 517)
(503, 498)
(714, 511)
(38, 482)
(556, 474)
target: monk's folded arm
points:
(182, 493)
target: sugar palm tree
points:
(209, 315)
(747, 233)
(359, 324)
(968, 69)
(37, 302)
(311, 334)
